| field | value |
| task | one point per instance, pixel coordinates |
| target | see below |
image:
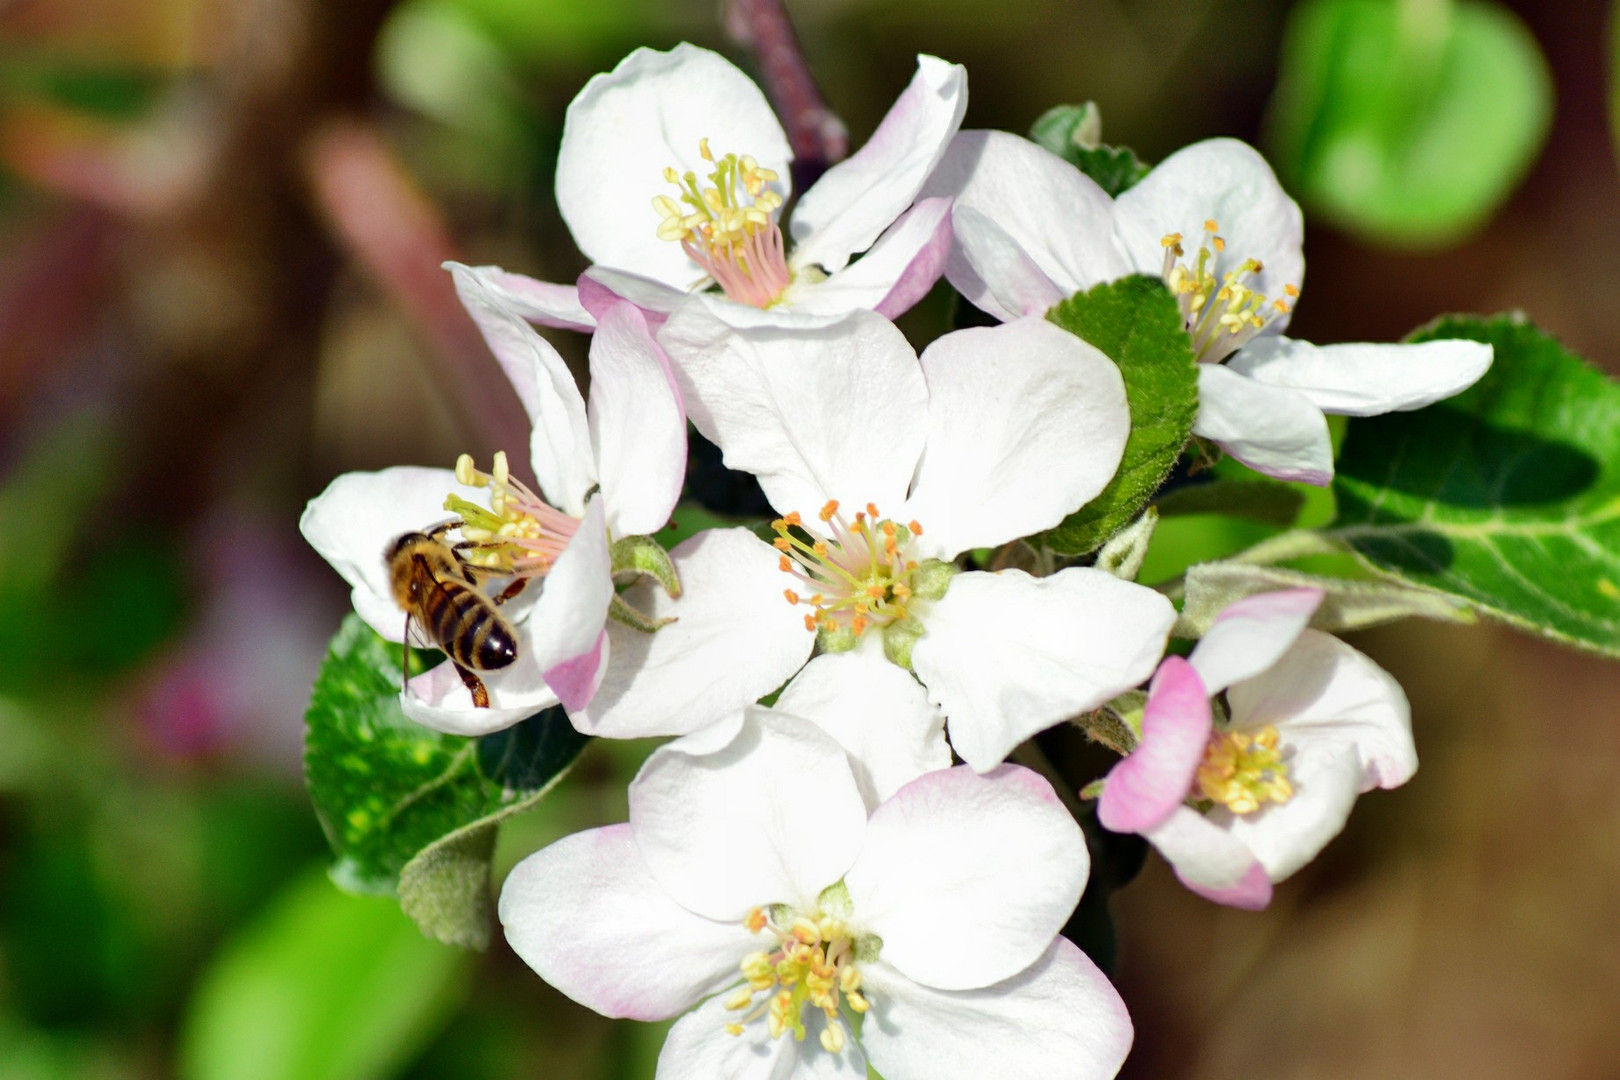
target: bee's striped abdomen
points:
(467, 626)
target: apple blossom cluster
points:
(854, 872)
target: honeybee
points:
(440, 590)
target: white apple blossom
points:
(1031, 229)
(997, 433)
(805, 930)
(672, 175)
(611, 470)
(1240, 806)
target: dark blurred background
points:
(220, 229)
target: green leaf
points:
(1507, 495)
(1407, 121)
(387, 790)
(1136, 322)
(1074, 133)
(321, 986)
(1258, 500)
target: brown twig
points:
(815, 133)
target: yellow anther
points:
(1170, 240)
(916, 529)
(467, 474)
(792, 597)
(793, 519)
(810, 622)
(857, 1001)
(782, 543)
(734, 1029)
(805, 930)
(832, 1038)
(704, 151)
(1219, 243)
(820, 549)
(740, 1000)
(829, 511)
(1243, 772)
(872, 511)
(1291, 290)
(1210, 226)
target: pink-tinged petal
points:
(1365, 379)
(899, 270)
(734, 639)
(1210, 861)
(994, 273)
(1007, 655)
(1250, 635)
(1270, 429)
(992, 864)
(878, 713)
(774, 816)
(566, 623)
(628, 125)
(837, 412)
(437, 699)
(1026, 422)
(586, 915)
(1054, 214)
(1151, 782)
(855, 200)
(699, 1048)
(539, 302)
(357, 518)
(560, 445)
(601, 287)
(638, 428)
(1286, 836)
(1059, 1017)
(1325, 694)
(575, 681)
(1228, 182)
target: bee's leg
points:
(442, 528)
(405, 657)
(511, 590)
(475, 686)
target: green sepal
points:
(1094, 790)
(898, 639)
(622, 611)
(1125, 552)
(644, 555)
(834, 900)
(1346, 605)
(932, 579)
(833, 636)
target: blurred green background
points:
(220, 227)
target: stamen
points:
(1243, 771)
(519, 533)
(859, 578)
(729, 229)
(1222, 314)
(812, 964)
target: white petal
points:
(1007, 655)
(359, 515)
(1228, 182)
(586, 915)
(1054, 213)
(567, 620)
(1270, 429)
(835, 413)
(1026, 423)
(1286, 836)
(992, 864)
(698, 1048)
(994, 273)
(600, 287)
(1365, 379)
(1058, 1017)
(899, 270)
(878, 713)
(1249, 636)
(734, 640)
(638, 430)
(560, 446)
(537, 301)
(774, 816)
(628, 125)
(439, 700)
(855, 200)
(1210, 861)
(1323, 692)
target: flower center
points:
(727, 227)
(1244, 771)
(519, 533)
(1223, 314)
(812, 963)
(859, 578)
